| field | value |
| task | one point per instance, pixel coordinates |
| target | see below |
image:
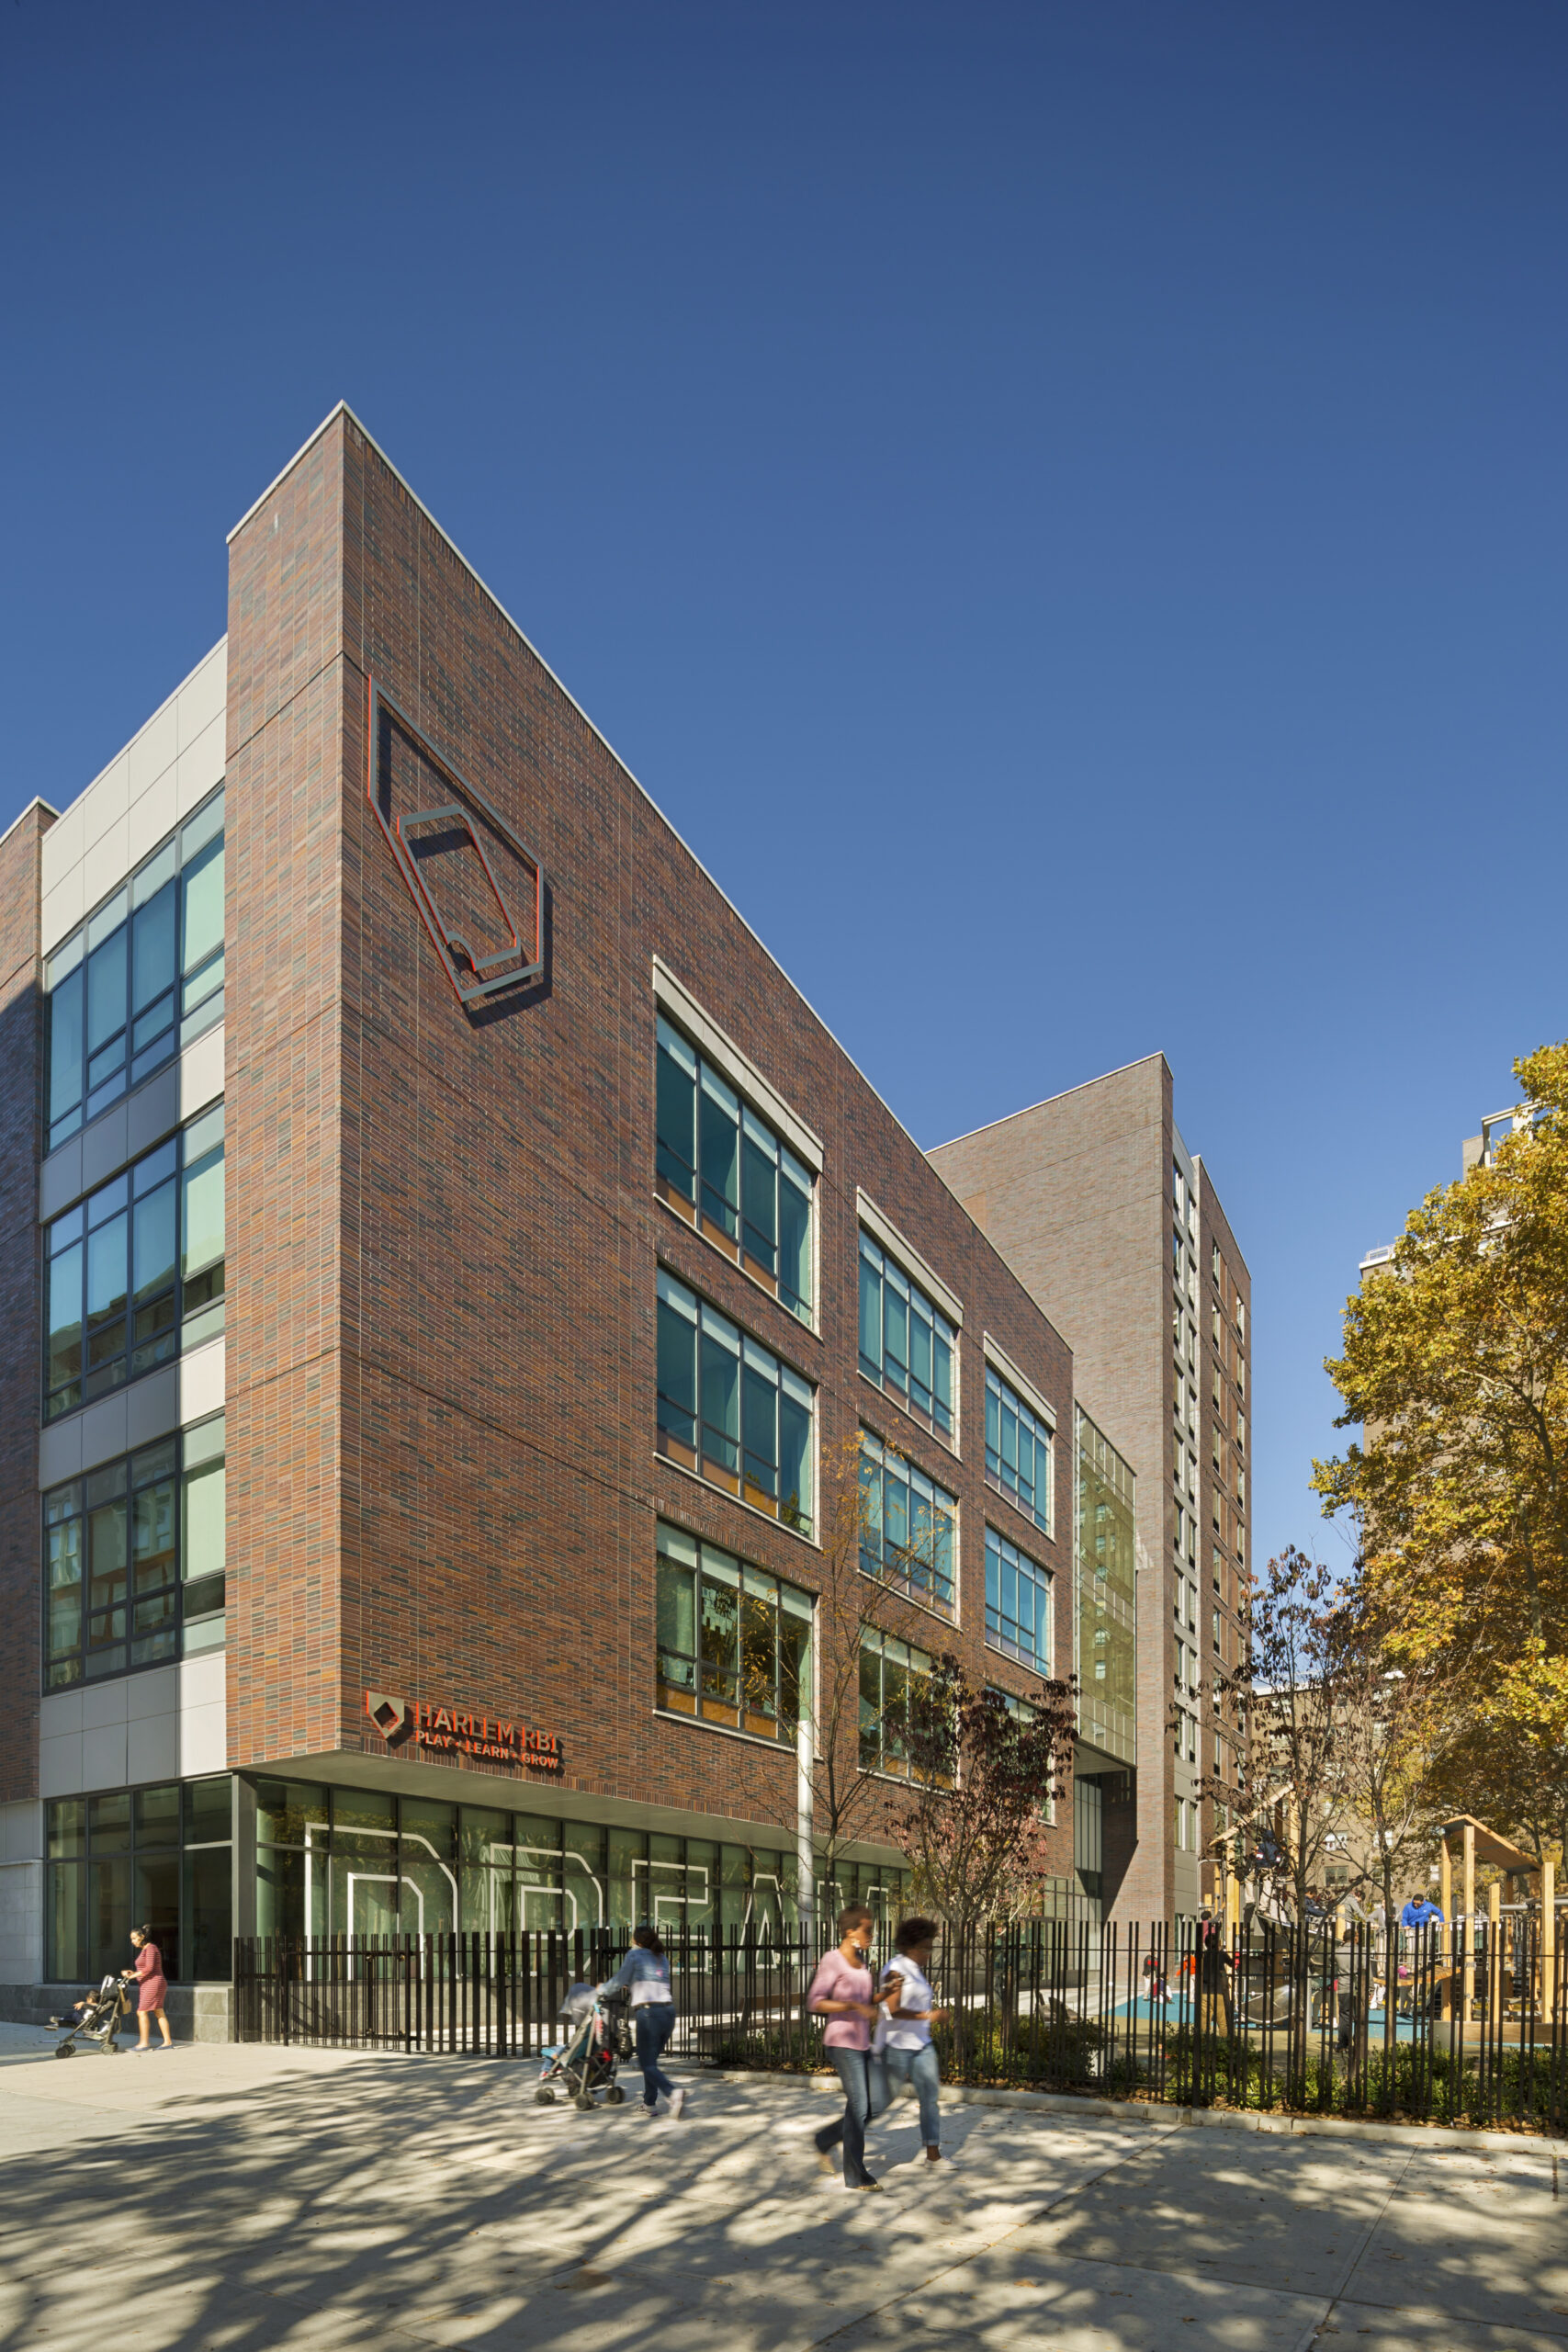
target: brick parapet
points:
(462, 1482)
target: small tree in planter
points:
(983, 1771)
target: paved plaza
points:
(240, 2198)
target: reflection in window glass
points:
(892, 1675)
(141, 977)
(724, 1168)
(112, 1561)
(731, 1410)
(1017, 1450)
(907, 1526)
(906, 1342)
(1018, 1604)
(135, 1271)
(734, 1642)
(158, 1855)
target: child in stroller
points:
(95, 2018)
(599, 2035)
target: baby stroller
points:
(97, 2020)
(600, 2036)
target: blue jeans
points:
(919, 2067)
(865, 2095)
(654, 2023)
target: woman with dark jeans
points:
(645, 1973)
(908, 2055)
(841, 1992)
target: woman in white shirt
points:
(904, 2036)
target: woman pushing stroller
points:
(644, 1975)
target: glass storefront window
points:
(130, 1858)
(415, 1866)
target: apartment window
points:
(135, 1270)
(1178, 1191)
(1241, 1322)
(906, 1342)
(1214, 1450)
(133, 1560)
(1018, 1450)
(1241, 1433)
(1241, 1375)
(734, 1642)
(728, 1173)
(892, 1676)
(1018, 1604)
(1175, 1258)
(1216, 1618)
(731, 1410)
(141, 977)
(1175, 1330)
(1214, 1260)
(907, 1526)
(1240, 1489)
(158, 1855)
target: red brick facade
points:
(442, 1232)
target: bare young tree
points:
(1389, 1727)
(983, 1770)
(837, 1798)
(1284, 1696)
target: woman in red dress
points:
(148, 1970)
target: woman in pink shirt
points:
(841, 1992)
(148, 1970)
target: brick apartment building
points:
(1096, 1202)
(452, 1275)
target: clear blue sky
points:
(1064, 507)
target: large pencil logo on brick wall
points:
(479, 891)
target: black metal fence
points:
(1466, 2024)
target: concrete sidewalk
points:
(240, 2199)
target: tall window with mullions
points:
(731, 1410)
(1017, 1450)
(142, 977)
(734, 1642)
(1018, 1604)
(908, 1526)
(133, 1560)
(906, 1342)
(160, 1856)
(135, 1270)
(721, 1166)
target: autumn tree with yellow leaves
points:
(1455, 1367)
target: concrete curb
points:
(1178, 2119)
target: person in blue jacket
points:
(645, 1973)
(1421, 1912)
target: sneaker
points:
(646, 2112)
(866, 2183)
(826, 2161)
(677, 2101)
